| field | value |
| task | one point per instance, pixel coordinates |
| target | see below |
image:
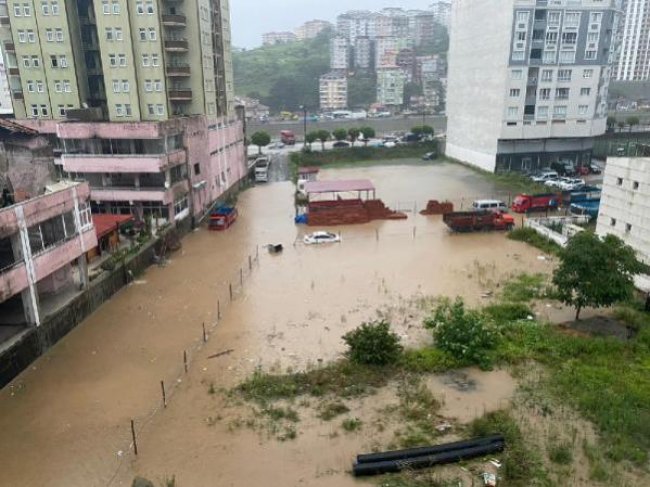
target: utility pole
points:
(304, 120)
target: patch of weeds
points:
(331, 410)
(211, 389)
(417, 403)
(522, 466)
(169, 481)
(523, 288)
(351, 424)
(506, 312)
(633, 318)
(599, 470)
(419, 479)
(561, 453)
(280, 413)
(531, 237)
(432, 360)
(289, 433)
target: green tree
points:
(633, 121)
(340, 134)
(427, 130)
(368, 133)
(621, 125)
(260, 139)
(611, 122)
(323, 136)
(373, 344)
(362, 90)
(417, 130)
(595, 272)
(353, 132)
(311, 137)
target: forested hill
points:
(283, 76)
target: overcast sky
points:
(251, 18)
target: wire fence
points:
(170, 381)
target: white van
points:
(492, 205)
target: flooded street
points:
(65, 422)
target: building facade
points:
(311, 29)
(339, 53)
(363, 54)
(442, 12)
(6, 107)
(531, 90)
(273, 38)
(390, 87)
(43, 242)
(625, 203)
(633, 63)
(139, 93)
(334, 91)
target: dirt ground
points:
(70, 412)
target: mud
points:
(69, 414)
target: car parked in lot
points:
(316, 238)
(545, 176)
(571, 184)
(340, 144)
(595, 168)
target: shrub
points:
(466, 334)
(351, 424)
(506, 312)
(373, 344)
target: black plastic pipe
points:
(394, 466)
(427, 450)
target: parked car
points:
(317, 238)
(545, 176)
(595, 168)
(429, 156)
(340, 144)
(555, 183)
(410, 138)
(389, 144)
(571, 184)
(491, 205)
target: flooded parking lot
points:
(70, 413)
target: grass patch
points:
(280, 413)
(429, 360)
(351, 424)
(418, 479)
(533, 238)
(561, 453)
(523, 288)
(506, 312)
(331, 410)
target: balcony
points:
(10, 47)
(176, 45)
(180, 94)
(174, 20)
(163, 195)
(4, 20)
(128, 163)
(18, 95)
(13, 72)
(177, 70)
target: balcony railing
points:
(10, 47)
(178, 70)
(180, 94)
(174, 20)
(13, 71)
(176, 45)
(18, 95)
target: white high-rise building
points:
(390, 86)
(334, 91)
(532, 89)
(442, 11)
(363, 53)
(5, 95)
(339, 53)
(634, 39)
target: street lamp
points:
(304, 121)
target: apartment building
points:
(311, 29)
(390, 86)
(442, 12)
(625, 203)
(43, 245)
(6, 107)
(139, 93)
(334, 91)
(339, 53)
(363, 54)
(532, 89)
(273, 38)
(421, 26)
(633, 63)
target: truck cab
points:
(287, 137)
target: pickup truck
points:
(536, 202)
(472, 221)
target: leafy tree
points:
(340, 134)
(427, 129)
(260, 139)
(621, 125)
(595, 272)
(632, 121)
(411, 89)
(323, 136)
(373, 344)
(368, 133)
(311, 137)
(611, 122)
(362, 90)
(354, 132)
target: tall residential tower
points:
(633, 64)
(532, 88)
(140, 93)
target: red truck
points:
(471, 221)
(287, 137)
(222, 217)
(524, 203)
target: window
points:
(545, 94)
(520, 36)
(538, 35)
(139, 6)
(583, 109)
(148, 86)
(585, 91)
(569, 38)
(522, 17)
(535, 54)
(513, 112)
(18, 12)
(612, 222)
(45, 8)
(562, 93)
(30, 86)
(150, 7)
(595, 17)
(549, 57)
(67, 86)
(518, 55)
(116, 86)
(587, 73)
(44, 111)
(572, 19)
(619, 181)
(157, 85)
(551, 37)
(516, 74)
(145, 60)
(559, 112)
(154, 60)
(160, 109)
(22, 36)
(635, 185)
(27, 9)
(63, 61)
(590, 55)
(197, 169)
(26, 62)
(152, 34)
(40, 87)
(61, 110)
(127, 110)
(143, 34)
(126, 86)
(151, 109)
(542, 113)
(554, 18)
(59, 35)
(34, 110)
(119, 110)
(54, 62)
(564, 75)
(36, 62)
(55, 7)
(49, 35)
(628, 228)
(567, 57)
(31, 37)
(515, 92)
(592, 37)
(122, 58)
(112, 60)
(106, 9)
(116, 7)
(109, 34)
(118, 34)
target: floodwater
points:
(66, 421)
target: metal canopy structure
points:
(335, 187)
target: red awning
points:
(340, 186)
(105, 223)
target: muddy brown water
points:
(65, 421)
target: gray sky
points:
(251, 18)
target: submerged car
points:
(321, 238)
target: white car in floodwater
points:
(316, 238)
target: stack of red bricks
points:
(434, 207)
(377, 210)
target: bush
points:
(467, 335)
(373, 344)
(533, 238)
(506, 312)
